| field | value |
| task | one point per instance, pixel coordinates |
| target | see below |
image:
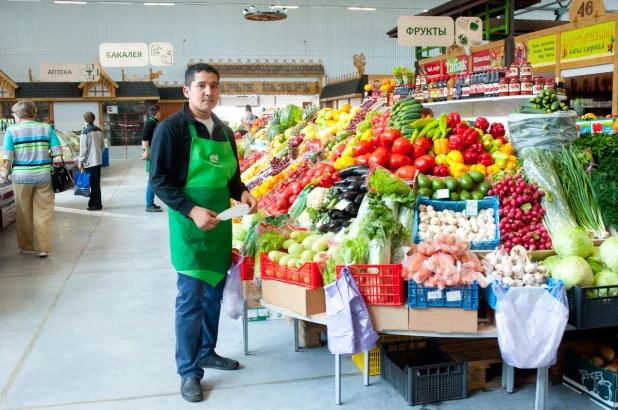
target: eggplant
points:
(359, 199)
(353, 170)
(336, 215)
(349, 195)
(347, 223)
(323, 228)
(356, 186)
(335, 224)
(350, 209)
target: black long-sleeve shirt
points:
(149, 128)
(169, 160)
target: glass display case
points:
(123, 122)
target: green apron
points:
(150, 149)
(205, 255)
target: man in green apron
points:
(195, 171)
(154, 115)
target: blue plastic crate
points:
(492, 299)
(419, 296)
(460, 206)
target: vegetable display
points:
(434, 223)
(514, 268)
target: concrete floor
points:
(91, 327)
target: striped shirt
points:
(28, 145)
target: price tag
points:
(435, 294)
(472, 208)
(453, 296)
(443, 193)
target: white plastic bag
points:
(232, 292)
(549, 132)
(530, 323)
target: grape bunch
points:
(360, 116)
(277, 165)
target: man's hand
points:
(205, 219)
(248, 199)
(145, 155)
(80, 167)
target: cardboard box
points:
(294, 298)
(389, 317)
(250, 291)
(443, 320)
(258, 313)
(586, 378)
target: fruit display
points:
(606, 359)
(301, 248)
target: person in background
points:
(248, 117)
(28, 150)
(91, 146)
(154, 115)
(195, 172)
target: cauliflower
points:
(317, 198)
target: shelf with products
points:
(517, 100)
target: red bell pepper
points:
(456, 142)
(497, 130)
(471, 136)
(327, 181)
(441, 170)
(362, 148)
(481, 123)
(470, 156)
(478, 147)
(425, 163)
(423, 143)
(452, 119)
(502, 139)
(485, 159)
(460, 128)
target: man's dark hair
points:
(198, 68)
(153, 110)
(89, 117)
(248, 108)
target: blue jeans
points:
(149, 195)
(198, 306)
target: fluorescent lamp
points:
(69, 2)
(285, 7)
(113, 2)
(425, 11)
(159, 4)
(362, 8)
(199, 4)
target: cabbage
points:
(570, 241)
(605, 278)
(595, 264)
(595, 252)
(238, 232)
(573, 271)
(609, 253)
(551, 262)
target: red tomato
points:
(282, 203)
(287, 193)
(318, 173)
(311, 173)
(399, 160)
(425, 163)
(406, 172)
(378, 130)
(402, 146)
(423, 143)
(292, 199)
(296, 188)
(389, 136)
(306, 181)
(418, 152)
(363, 159)
(362, 148)
(375, 140)
(382, 150)
(330, 168)
(380, 158)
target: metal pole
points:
(542, 385)
(337, 379)
(245, 327)
(509, 49)
(510, 381)
(366, 367)
(296, 334)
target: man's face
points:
(158, 115)
(203, 94)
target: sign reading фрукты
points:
(123, 54)
(425, 31)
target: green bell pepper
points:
(500, 159)
(441, 159)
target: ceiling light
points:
(199, 4)
(362, 8)
(284, 7)
(113, 2)
(69, 2)
(425, 11)
(159, 4)
(24, 0)
(252, 9)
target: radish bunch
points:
(521, 214)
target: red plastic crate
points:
(379, 284)
(308, 275)
(248, 265)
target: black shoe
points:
(153, 208)
(191, 389)
(95, 208)
(156, 206)
(221, 363)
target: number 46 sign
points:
(586, 9)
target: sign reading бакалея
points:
(123, 54)
(425, 31)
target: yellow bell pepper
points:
(510, 166)
(366, 135)
(493, 169)
(480, 168)
(507, 149)
(458, 169)
(343, 162)
(454, 157)
(347, 152)
(441, 146)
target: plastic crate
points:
(374, 354)
(466, 297)
(459, 206)
(421, 373)
(379, 284)
(247, 269)
(308, 275)
(492, 299)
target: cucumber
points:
(411, 118)
(411, 109)
(410, 102)
(555, 106)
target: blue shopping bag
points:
(82, 184)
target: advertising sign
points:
(486, 59)
(62, 73)
(456, 65)
(586, 42)
(161, 54)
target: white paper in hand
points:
(234, 212)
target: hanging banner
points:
(456, 65)
(586, 42)
(425, 31)
(432, 68)
(161, 54)
(468, 31)
(538, 51)
(486, 59)
(59, 73)
(123, 54)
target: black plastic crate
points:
(421, 373)
(594, 306)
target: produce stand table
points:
(486, 331)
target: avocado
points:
(437, 184)
(422, 181)
(435, 196)
(476, 195)
(452, 184)
(466, 182)
(454, 196)
(484, 188)
(476, 176)
(465, 195)
(425, 192)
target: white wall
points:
(70, 116)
